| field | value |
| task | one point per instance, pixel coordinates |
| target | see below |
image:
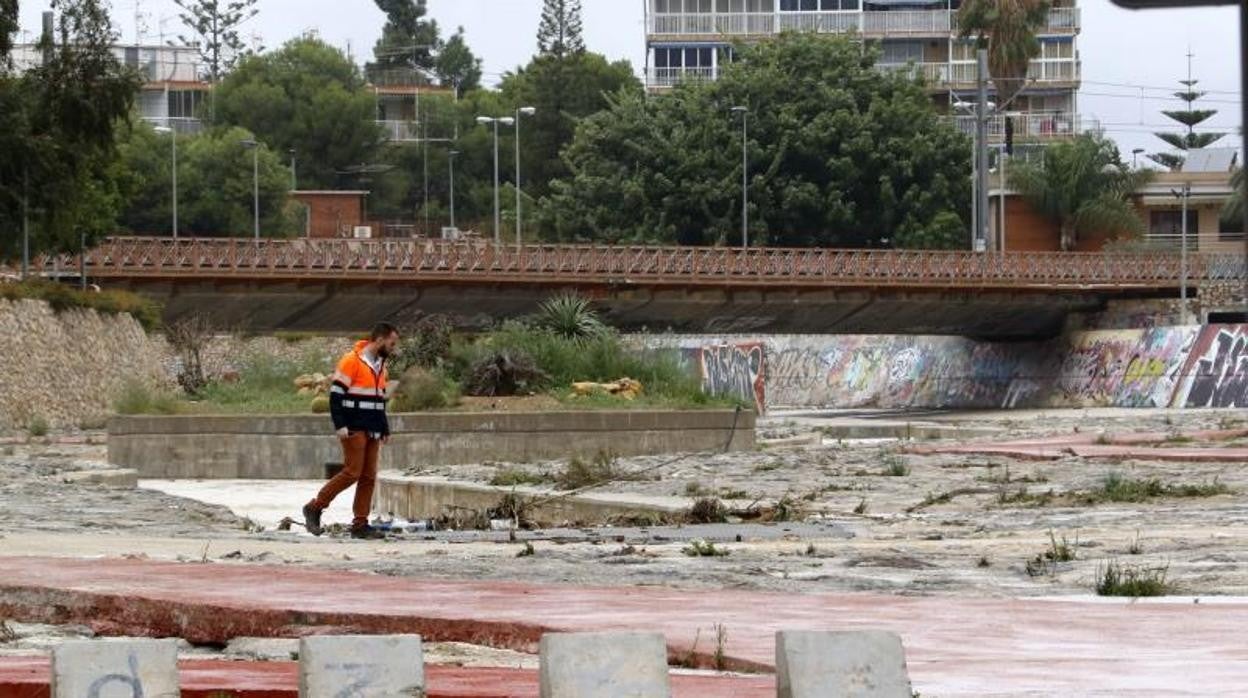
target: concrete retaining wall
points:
(1185, 366)
(288, 447)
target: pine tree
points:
(409, 40)
(1189, 117)
(559, 34)
(214, 25)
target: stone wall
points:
(66, 368)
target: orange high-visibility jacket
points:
(357, 397)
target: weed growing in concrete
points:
(721, 641)
(512, 477)
(1137, 546)
(895, 466)
(729, 493)
(527, 550)
(1114, 579)
(601, 470)
(707, 510)
(811, 550)
(695, 489)
(1177, 438)
(1046, 562)
(768, 467)
(1117, 488)
(703, 548)
(7, 634)
(1024, 497)
(38, 426)
(862, 507)
(1103, 439)
(983, 562)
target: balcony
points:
(909, 22)
(182, 125)
(1029, 127)
(399, 131)
(1062, 20)
(670, 77)
(934, 74)
(1050, 73)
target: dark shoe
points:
(366, 532)
(312, 520)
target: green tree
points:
(214, 28)
(216, 186)
(840, 155)
(9, 22)
(409, 40)
(457, 66)
(563, 91)
(1083, 186)
(1191, 117)
(1007, 28)
(58, 124)
(309, 97)
(559, 33)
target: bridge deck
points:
(416, 262)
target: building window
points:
(817, 5)
(894, 52)
(184, 104)
(1057, 49)
(1167, 226)
(755, 6)
(688, 57)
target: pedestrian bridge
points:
(338, 285)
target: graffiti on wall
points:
(1153, 367)
(736, 370)
(1216, 371)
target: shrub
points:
(38, 426)
(136, 397)
(706, 511)
(569, 316)
(61, 298)
(1125, 580)
(502, 373)
(421, 389)
(189, 338)
(427, 344)
(580, 473)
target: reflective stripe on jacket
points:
(357, 396)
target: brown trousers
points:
(359, 468)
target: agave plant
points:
(570, 316)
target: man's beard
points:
(383, 353)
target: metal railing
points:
(932, 73)
(917, 22)
(483, 262)
(1028, 126)
(183, 125)
(395, 130)
(669, 77)
(963, 73)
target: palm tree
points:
(1083, 186)
(1007, 28)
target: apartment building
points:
(692, 40)
(174, 81)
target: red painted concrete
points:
(27, 677)
(955, 646)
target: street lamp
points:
(254, 146)
(745, 172)
(1183, 195)
(521, 112)
(294, 176)
(451, 159)
(1135, 155)
(173, 136)
(495, 121)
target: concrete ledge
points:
(124, 478)
(299, 446)
(430, 497)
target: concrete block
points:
(115, 669)
(361, 665)
(863, 664)
(604, 665)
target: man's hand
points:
(343, 433)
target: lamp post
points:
(495, 121)
(173, 136)
(745, 175)
(522, 111)
(451, 159)
(254, 146)
(294, 176)
(1135, 158)
(1183, 195)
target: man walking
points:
(357, 404)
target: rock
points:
(604, 665)
(126, 478)
(859, 664)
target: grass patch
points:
(513, 477)
(601, 469)
(703, 548)
(61, 298)
(265, 385)
(1118, 488)
(1114, 579)
(421, 390)
(895, 466)
(706, 511)
(1046, 562)
(37, 426)
(137, 398)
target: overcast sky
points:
(1131, 60)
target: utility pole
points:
(520, 114)
(745, 176)
(1184, 194)
(981, 152)
(451, 159)
(25, 223)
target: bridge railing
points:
(415, 261)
